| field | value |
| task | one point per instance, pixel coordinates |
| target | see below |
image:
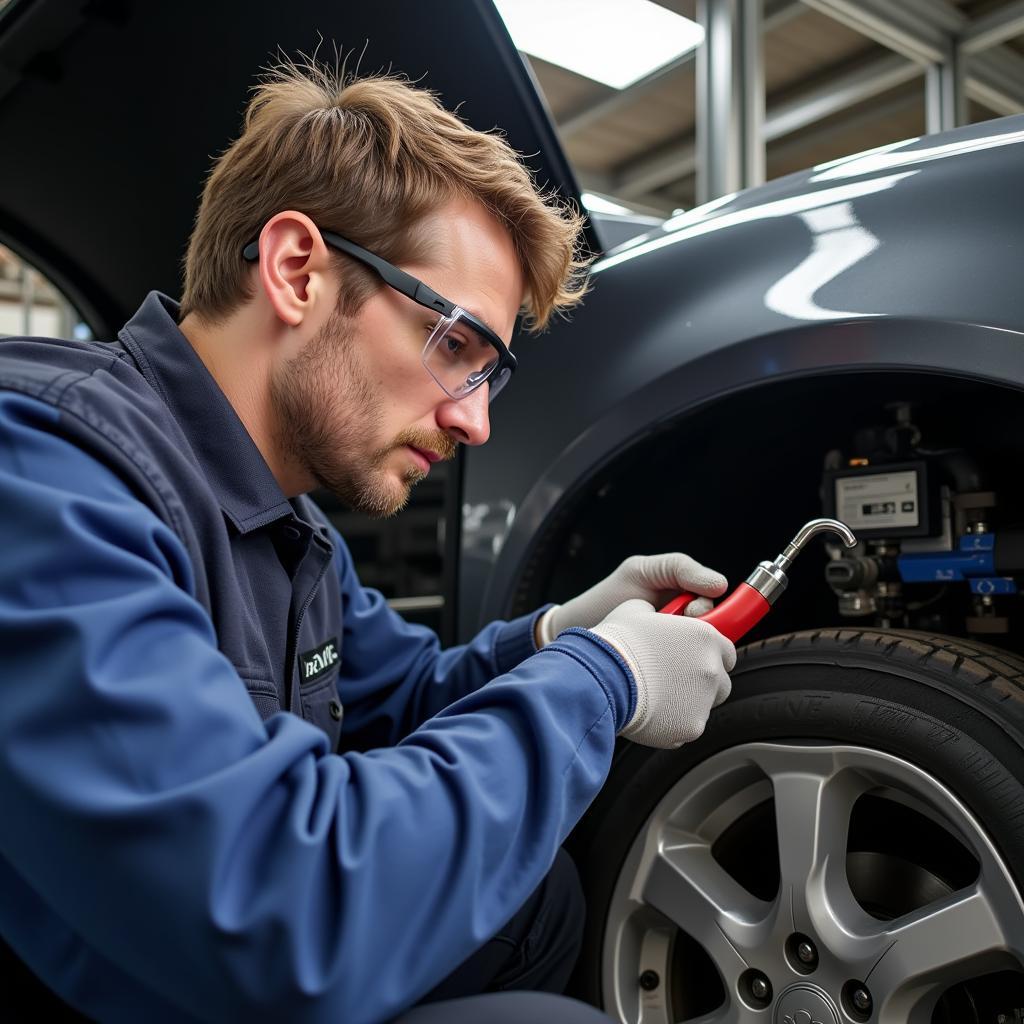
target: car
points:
(846, 341)
(845, 836)
(845, 842)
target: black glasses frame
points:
(412, 288)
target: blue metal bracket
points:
(975, 557)
(993, 585)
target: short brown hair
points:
(368, 158)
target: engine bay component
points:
(893, 500)
(924, 518)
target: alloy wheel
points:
(801, 883)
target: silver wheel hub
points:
(671, 890)
(805, 1004)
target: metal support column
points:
(28, 298)
(945, 105)
(730, 98)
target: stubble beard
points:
(329, 413)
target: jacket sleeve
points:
(394, 675)
(236, 869)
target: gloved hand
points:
(681, 668)
(653, 578)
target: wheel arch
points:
(684, 401)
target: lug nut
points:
(649, 981)
(755, 989)
(857, 1001)
(801, 953)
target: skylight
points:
(616, 42)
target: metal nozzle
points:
(769, 578)
(809, 530)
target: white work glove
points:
(681, 668)
(653, 578)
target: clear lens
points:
(460, 359)
(498, 381)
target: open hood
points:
(111, 110)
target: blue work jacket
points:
(235, 785)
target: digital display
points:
(875, 501)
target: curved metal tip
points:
(785, 560)
(816, 526)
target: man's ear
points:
(293, 266)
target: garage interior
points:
(838, 743)
(793, 84)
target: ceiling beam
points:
(583, 117)
(838, 92)
(665, 165)
(993, 29)
(947, 16)
(842, 128)
(996, 79)
(778, 13)
(901, 27)
(927, 31)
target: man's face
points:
(357, 409)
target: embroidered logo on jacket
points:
(316, 662)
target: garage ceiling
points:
(831, 89)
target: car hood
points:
(111, 110)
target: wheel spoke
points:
(687, 885)
(812, 812)
(654, 955)
(730, 1013)
(814, 797)
(935, 947)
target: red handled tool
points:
(748, 604)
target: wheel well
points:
(731, 482)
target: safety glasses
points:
(461, 352)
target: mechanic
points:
(235, 784)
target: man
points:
(235, 784)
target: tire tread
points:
(975, 665)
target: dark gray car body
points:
(894, 264)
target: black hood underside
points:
(112, 110)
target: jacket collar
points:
(240, 477)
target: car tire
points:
(903, 750)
